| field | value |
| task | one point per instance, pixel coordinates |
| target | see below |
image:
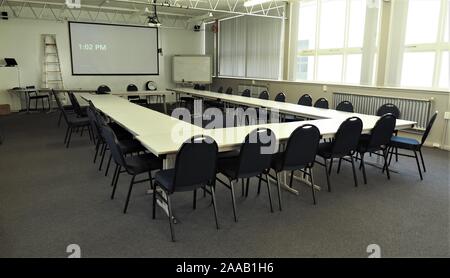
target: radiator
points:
(255, 90)
(417, 110)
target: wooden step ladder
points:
(51, 72)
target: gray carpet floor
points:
(51, 197)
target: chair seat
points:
(142, 163)
(277, 163)
(165, 179)
(228, 166)
(120, 132)
(79, 121)
(131, 146)
(404, 143)
(363, 144)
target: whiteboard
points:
(193, 69)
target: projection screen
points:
(106, 49)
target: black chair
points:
(80, 111)
(34, 95)
(377, 140)
(132, 88)
(345, 106)
(321, 103)
(253, 161)
(300, 154)
(305, 100)
(388, 108)
(73, 124)
(68, 108)
(195, 167)
(103, 89)
(413, 145)
(246, 93)
(264, 95)
(133, 165)
(344, 144)
(280, 97)
(229, 91)
(220, 90)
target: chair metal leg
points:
(396, 154)
(213, 196)
(279, 191)
(292, 177)
(242, 187)
(114, 175)
(233, 201)
(129, 194)
(423, 162)
(59, 118)
(194, 203)
(331, 166)
(269, 193)
(246, 187)
(169, 207)
(97, 147)
(339, 165)
(418, 165)
(363, 167)
(115, 182)
(109, 163)
(328, 176)
(313, 191)
(354, 172)
(67, 134)
(70, 136)
(103, 157)
(259, 184)
(386, 166)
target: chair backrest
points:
(103, 89)
(196, 162)
(132, 88)
(220, 90)
(229, 91)
(60, 106)
(264, 95)
(93, 120)
(347, 136)
(321, 103)
(31, 92)
(428, 128)
(111, 141)
(280, 97)
(75, 104)
(305, 100)
(389, 108)
(382, 131)
(301, 147)
(345, 106)
(246, 93)
(256, 153)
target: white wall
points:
(21, 39)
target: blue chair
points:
(321, 103)
(405, 143)
(345, 106)
(195, 167)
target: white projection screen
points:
(106, 49)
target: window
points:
(250, 47)
(333, 36)
(426, 45)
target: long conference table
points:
(163, 135)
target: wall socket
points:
(447, 115)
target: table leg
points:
(165, 103)
(27, 101)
